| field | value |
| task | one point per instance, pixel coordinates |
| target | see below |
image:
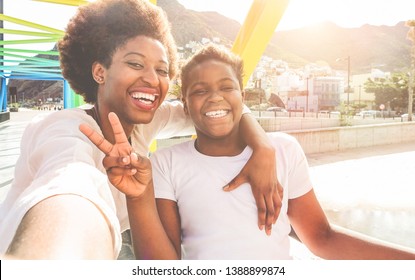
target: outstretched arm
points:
(260, 172)
(329, 242)
(131, 174)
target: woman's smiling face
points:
(137, 81)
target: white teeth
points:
(216, 114)
(145, 97)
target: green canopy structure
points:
(32, 64)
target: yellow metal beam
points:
(65, 2)
(256, 31)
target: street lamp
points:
(348, 80)
(411, 36)
(306, 106)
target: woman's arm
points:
(131, 174)
(260, 172)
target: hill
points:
(383, 47)
(368, 46)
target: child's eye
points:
(227, 88)
(199, 91)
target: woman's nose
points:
(150, 77)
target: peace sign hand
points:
(126, 170)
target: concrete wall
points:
(4, 116)
(342, 138)
(329, 139)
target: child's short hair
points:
(212, 52)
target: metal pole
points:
(348, 83)
(411, 82)
(306, 106)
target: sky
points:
(300, 13)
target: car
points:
(276, 109)
(405, 116)
(365, 114)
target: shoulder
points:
(286, 145)
(173, 153)
(66, 116)
(282, 139)
(169, 107)
(65, 122)
(61, 116)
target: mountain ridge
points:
(368, 45)
(383, 47)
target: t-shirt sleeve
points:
(169, 121)
(172, 121)
(162, 177)
(245, 109)
(299, 181)
(290, 156)
(56, 158)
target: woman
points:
(120, 56)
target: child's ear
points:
(186, 111)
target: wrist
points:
(146, 193)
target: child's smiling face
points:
(213, 99)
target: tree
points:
(254, 96)
(392, 91)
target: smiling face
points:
(213, 99)
(136, 83)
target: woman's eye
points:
(135, 65)
(163, 72)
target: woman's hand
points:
(260, 172)
(129, 172)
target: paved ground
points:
(370, 190)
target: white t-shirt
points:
(56, 158)
(223, 225)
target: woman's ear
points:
(98, 72)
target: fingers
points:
(110, 162)
(122, 171)
(277, 202)
(269, 213)
(117, 129)
(235, 183)
(262, 210)
(96, 138)
(121, 140)
(133, 161)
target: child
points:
(203, 222)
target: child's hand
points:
(126, 170)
